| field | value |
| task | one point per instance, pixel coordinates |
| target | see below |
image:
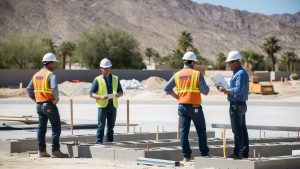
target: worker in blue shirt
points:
(106, 89)
(237, 96)
(190, 84)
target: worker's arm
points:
(54, 87)
(94, 90)
(238, 87)
(169, 88)
(203, 86)
(119, 90)
(30, 90)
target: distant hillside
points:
(155, 23)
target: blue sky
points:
(267, 7)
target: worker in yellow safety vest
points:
(43, 89)
(106, 89)
(190, 84)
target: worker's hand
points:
(218, 87)
(224, 90)
(119, 95)
(103, 97)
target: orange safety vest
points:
(42, 90)
(187, 84)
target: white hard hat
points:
(189, 56)
(233, 55)
(49, 57)
(105, 63)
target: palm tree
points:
(247, 59)
(66, 49)
(185, 41)
(270, 46)
(149, 52)
(220, 63)
(49, 42)
(289, 59)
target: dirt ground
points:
(32, 161)
(289, 90)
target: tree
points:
(220, 63)
(49, 44)
(175, 60)
(271, 46)
(117, 45)
(24, 53)
(185, 41)
(288, 60)
(253, 61)
(149, 52)
(66, 49)
(157, 57)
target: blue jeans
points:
(187, 113)
(238, 124)
(45, 111)
(109, 113)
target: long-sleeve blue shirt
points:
(239, 85)
(108, 81)
(53, 85)
(202, 84)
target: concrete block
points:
(165, 153)
(126, 154)
(10, 146)
(279, 162)
(84, 150)
(28, 144)
(220, 163)
(103, 152)
(296, 152)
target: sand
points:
(24, 161)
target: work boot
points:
(43, 153)
(236, 157)
(59, 154)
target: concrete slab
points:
(103, 152)
(279, 162)
(128, 154)
(10, 146)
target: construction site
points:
(147, 132)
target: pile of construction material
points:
(74, 89)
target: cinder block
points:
(165, 153)
(84, 150)
(28, 144)
(10, 146)
(131, 155)
(278, 162)
(220, 163)
(103, 152)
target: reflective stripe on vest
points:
(42, 90)
(187, 84)
(102, 91)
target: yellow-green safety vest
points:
(102, 90)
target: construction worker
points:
(43, 89)
(237, 96)
(190, 84)
(106, 89)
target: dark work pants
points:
(238, 123)
(109, 113)
(187, 113)
(45, 111)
